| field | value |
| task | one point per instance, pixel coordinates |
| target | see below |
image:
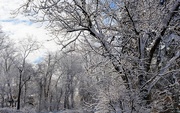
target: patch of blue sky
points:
(113, 5)
(16, 21)
(109, 21)
(38, 60)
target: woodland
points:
(116, 56)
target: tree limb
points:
(166, 23)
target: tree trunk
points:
(25, 92)
(19, 91)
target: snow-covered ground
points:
(10, 110)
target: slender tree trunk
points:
(59, 99)
(40, 97)
(67, 93)
(72, 93)
(19, 91)
(66, 99)
(25, 92)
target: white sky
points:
(20, 27)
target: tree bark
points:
(19, 91)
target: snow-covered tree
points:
(140, 38)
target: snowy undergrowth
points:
(11, 110)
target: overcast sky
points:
(20, 27)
